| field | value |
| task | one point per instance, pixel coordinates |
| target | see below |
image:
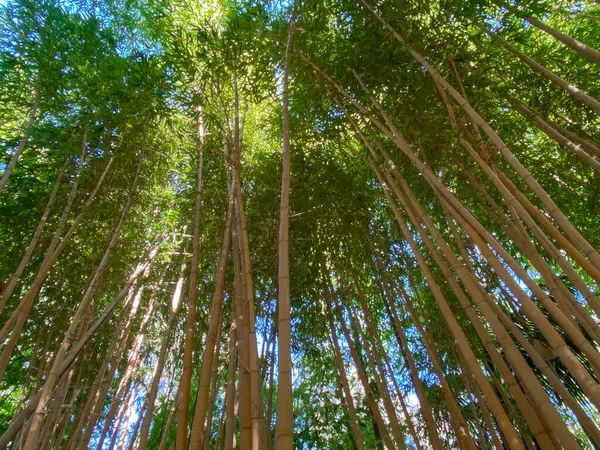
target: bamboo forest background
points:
(323, 224)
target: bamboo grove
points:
(312, 224)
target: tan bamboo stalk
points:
(136, 428)
(284, 423)
(499, 413)
(170, 418)
(581, 314)
(492, 208)
(118, 405)
(150, 400)
(14, 279)
(391, 373)
(102, 384)
(86, 409)
(376, 433)
(248, 295)
(254, 368)
(573, 331)
(512, 304)
(556, 136)
(21, 313)
(269, 331)
(488, 344)
(53, 375)
(132, 441)
(255, 388)
(269, 416)
(541, 417)
(363, 379)
(333, 341)
(121, 415)
(27, 300)
(61, 432)
(466, 378)
(587, 52)
(35, 397)
(220, 430)
(19, 419)
(54, 418)
(573, 276)
(579, 140)
(62, 410)
(230, 389)
(53, 413)
(576, 336)
(527, 212)
(537, 67)
(216, 317)
(553, 210)
(566, 300)
(456, 418)
(207, 439)
(463, 93)
(33, 114)
(591, 299)
(485, 413)
(458, 423)
(541, 400)
(272, 333)
(99, 390)
(458, 239)
(399, 395)
(568, 357)
(37, 360)
(69, 437)
(382, 388)
(540, 218)
(395, 136)
(549, 374)
(414, 374)
(554, 339)
(407, 418)
(374, 336)
(131, 367)
(186, 377)
(241, 311)
(371, 359)
(518, 418)
(46, 360)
